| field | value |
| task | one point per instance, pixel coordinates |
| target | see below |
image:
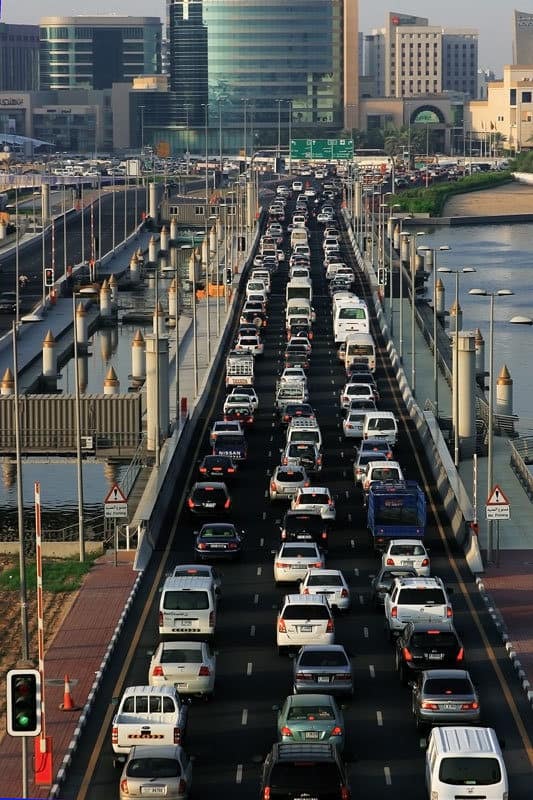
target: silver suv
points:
(415, 600)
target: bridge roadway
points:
(229, 736)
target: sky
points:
(491, 18)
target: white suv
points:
(315, 500)
(415, 600)
(304, 619)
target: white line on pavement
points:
(249, 668)
(365, 632)
(372, 670)
(379, 716)
(238, 775)
(388, 779)
(256, 599)
(252, 630)
(259, 570)
(244, 718)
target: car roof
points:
(419, 583)
(308, 599)
(446, 626)
(446, 673)
(314, 490)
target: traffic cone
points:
(68, 701)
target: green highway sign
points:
(328, 149)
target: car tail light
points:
(285, 461)
(330, 502)
(330, 627)
(286, 731)
(282, 628)
(429, 706)
(319, 460)
(190, 502)
(266, 793)
(317, 565)
(394, 612)
(114, 735)
(211, 619)
(177, 735)
(449, 612)
(406, 654)
(425, 562)
(124, 786)
(204, 671)
(305, 591)
(182, 786)
(272, 486)
(470, 706)
(231, 470)
(303, 676)
(161, 620)
(157, 672)
(323, 535)
(203, 469)
(337, 731)
(307, 483)
(227, 504)
(282, 565)
(345, 793)
(349, 426)
(202, 546)
(390, 562)
(233, 545)
(345, 593)
(460, 654)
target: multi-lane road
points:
(229, 736)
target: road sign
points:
(116, 503)
(498, 506)
(328, 149)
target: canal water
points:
(503, 258)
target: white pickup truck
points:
(153, 715)
(239, 369)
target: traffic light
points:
(23, 702)
(229, 275)
(49, 277)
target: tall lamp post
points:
(490, 433)
(205, 247)
(290, 133)
(279, 102)
(77, 405)
(434, 250)
(392, 220)
(412, 270)
(455, 376)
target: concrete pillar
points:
(152, 207)
(7, 386)
(45, 202)
(135, 272)
(159, 319)
(113, 287)
(172, 301)
(504, 392)
(396, 237)
(173, 228)
(193, 272)
(110, 472)
(140, 256)
(138, 357)
(152, 250)
(163, 262)
(456, 311)
(467, 392)
(163, 239)
(106, 347)
(174, 257)
(205, 254)
(105, 300)
(428, 260)
(3, 230)
(357, 199)
(213, 239)
(9, 474)
(49, 356)
(404, 249)
(83, 372)
(82, 326)
(440, 297)
(480, 353)
(419, 263)
(111, 383)
(152, 390)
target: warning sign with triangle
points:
(497, 497)
(116, 495)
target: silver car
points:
(165, 769)
(323, 668)
(329, 582)
(286, 480)
(445, 697)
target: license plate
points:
(323, 679)
(406, 563)
(302, 536)
(209, 505)
(436, 656)
(217, 546)
(448, 707)
(181, 685)
(312, 734)
(298, 566)
(151, 790)
(306, 628)
(183, 623)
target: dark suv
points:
(293, 771)
(424, 645)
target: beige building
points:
(508, 110)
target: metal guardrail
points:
(134, 467)
(521, 460)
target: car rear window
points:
(230, 442)
(305, 435)
(365, 458)
(153, 767)
(311, 712)
(325, 580)
(182, 655)
(385, 474)
(417, 597)
(448, 686)
(302, 449)
(323, 658)
(298, 551)
(298, 778)
(209, 495)
(290, 476)
(438, 639)
(470, 771)
(311, 524)
(406, 550)
(314, 498)
(179, 600)
(380, 425)
(219, 533)
(306, 611)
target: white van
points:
(299, 307)
(350, 315)
(360, 348)
(299, 236)
(381, 425)
(298, 288)
(465, 762)
(187, 608)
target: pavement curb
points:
(91, 697)
(510, 648)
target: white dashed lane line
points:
(379, 717)
(256, 599)
(249, 668)
(259, 570)
(238, 774)
(372, 670)
(252, 630)
(261, 542)
(365, 632)
(388, 779)
(244, 718)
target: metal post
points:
(455, 383)
(490, 434)
(64, 230)
(82, 225)
(290, 135)
(157, 387)
(99, 218)
(220, 136)
(113, 214)
(43, 256)
(279, 127)
(177, 365)
(126, 182)
(194, 327)
(79, 467)
(206, 250)
(412, 265)
(17, 264)
(391, 294)
(435, 345)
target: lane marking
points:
(372, 670)
(349, 517)
(361, 599)
(264, 514)
(388, 779)
(256, 599)
(259, 570)
(238, 774)
(365, 632)
(261, 542)
(252, 630)
(249, 668)
(244, 718)
(356, 571)
(379, 717)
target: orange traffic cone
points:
(68, 701)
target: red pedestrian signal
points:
(23, 702)
(49, 277)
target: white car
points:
(297, 186)
(407, 553)
(198, 571)
(415, 600)
(332, 269)
(250, 344)
(324, 216)
(293, 374)
(249, 391)
(315, 500)
(330, 583)
(381, 471)
(189, 666)
(224, 426)
(352, 390)
(352, 424)
(304, 619)
(294, 559)
(242, 406)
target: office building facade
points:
(95, 52)
(19, 57)
(522, 37)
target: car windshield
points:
(324, 580)
(179, 600)
(448, 686)
(298, 778)
(310, 712)
(470, 771)
(181, 655)
(153, 767)
(406, 550)
(323, 658)
(306, 611)
(421, 597)
(428, 640)
(290, 476)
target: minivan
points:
(465, 762)
(381, 425)
(187, 608)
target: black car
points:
(209, 498)
(232, 445)
(384, 580)
(300, 526)
(315, 771)
(217, 467)
(219, 540)
(427, 645)
(296, 410)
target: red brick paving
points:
(77, 650)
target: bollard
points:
(111, 383)
(504, 392)
(138, 357)
(135, 274)
(7, 386)
(174, 258)
(213, 239)
(83, 372)
(404, 250)
(173, 228)
(480, 353)
(105, 300)
(106, 346)
(163, 239)
(81, 326)
(159, 319)
(467, 392)
(396, 237)
(113, 286)
(153, 391)
(152, 250)
(152, 207)
(3, 230)
(172, 299)
(440, 296)
(45, 203)
(49, 357)
(428, 260)
(456, 311)
(9, 474)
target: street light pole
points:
(290, 134)
(433, 250)
(77, 403)
(206, 244)
(279, 102)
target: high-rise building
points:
(256, 68)
(374, 62)
(95, 52)
(393, 59)
(522, 38)
(460, 61)
(19, 57)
